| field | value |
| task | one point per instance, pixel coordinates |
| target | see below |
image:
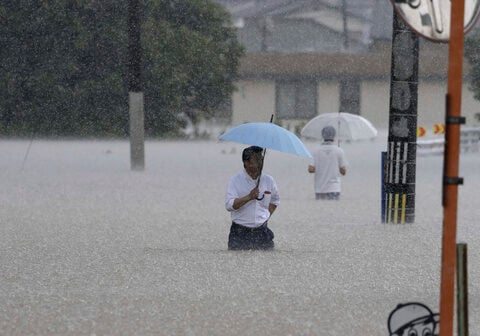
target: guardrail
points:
(469, 142)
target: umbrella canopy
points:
(267, 135)
(348, 126)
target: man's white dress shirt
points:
(254, 213)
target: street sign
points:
(431, 18)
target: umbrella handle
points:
(258, 183)
(261, 168)
(260, 174)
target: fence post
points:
(462, 290)
(382, 182)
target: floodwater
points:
(89, 247)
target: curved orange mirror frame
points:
(431, 18)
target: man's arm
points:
(271, 208)
(241, 201)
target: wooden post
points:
(451, 164)
(462, 290)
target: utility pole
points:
(346, 43)
(135, 89)
(402, 136)
(451, 159)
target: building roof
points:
(378, 14)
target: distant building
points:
(306, 57)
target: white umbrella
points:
(348, 126)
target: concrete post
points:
(137, 130)
(135, 94)
(402, 136)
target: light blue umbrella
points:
(267, 135)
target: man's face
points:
(253, 165)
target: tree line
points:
(63, 65)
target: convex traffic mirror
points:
(431, 18)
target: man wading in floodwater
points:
(251, 203)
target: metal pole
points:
(135, 94)
(451, 163)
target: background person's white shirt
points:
(255, 212)
(327, 160)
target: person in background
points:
(329, 165)
(251, 203)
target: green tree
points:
(191, 58)
(63, 65)
(472, 54)
(56, 57)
